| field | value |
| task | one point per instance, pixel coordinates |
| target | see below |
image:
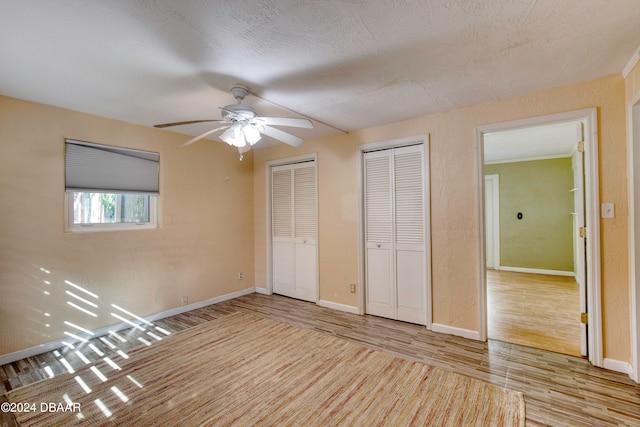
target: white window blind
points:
(101, 168)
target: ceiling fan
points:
(243, 127)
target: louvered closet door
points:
(282, 228)
(394, 233)
(294, 238)
(381, 299)
(305, 230)
(409, 234)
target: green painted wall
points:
(543, 238)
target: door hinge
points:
(584, 318)
(581, 147)
(583, 232)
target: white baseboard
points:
(618, 366)
(459, 332)
(262, 291)
(341, 307)
(53, 345)
(537, 271)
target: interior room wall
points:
(543, 238)
(205, 235)
(454, 203)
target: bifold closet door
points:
(294, 230)
(380, 298)
(394, 233)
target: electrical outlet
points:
(352, 288)
(240, 276)
(185, 300)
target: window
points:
(110, 188)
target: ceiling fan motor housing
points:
(238, 112)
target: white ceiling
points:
(351, 64)
(532, 143)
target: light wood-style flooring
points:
(559, 390)
(534, 310)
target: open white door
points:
(579, 243)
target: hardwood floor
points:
(559, 390)
(534, 310)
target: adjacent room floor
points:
(534, 310)
(558, 389)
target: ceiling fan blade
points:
(287, 138)
(204, 135)
(284, 121)
(190, 122)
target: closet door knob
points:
(378, 245)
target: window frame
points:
(98, 168)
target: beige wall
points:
(454, 202)
(212, 236)
(543, 238)
(204, 188)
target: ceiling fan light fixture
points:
(234, 136)
(251, 134)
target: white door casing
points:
(633, 121)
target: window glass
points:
(108, 208)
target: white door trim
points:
(381, 145)
(633, 137)
(494, 179)
(592, 194)
(268, 166)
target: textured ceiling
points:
(351, 64)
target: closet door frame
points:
(383, 145)
(268, 289)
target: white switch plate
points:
(608, 210)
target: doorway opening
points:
(540, 282)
